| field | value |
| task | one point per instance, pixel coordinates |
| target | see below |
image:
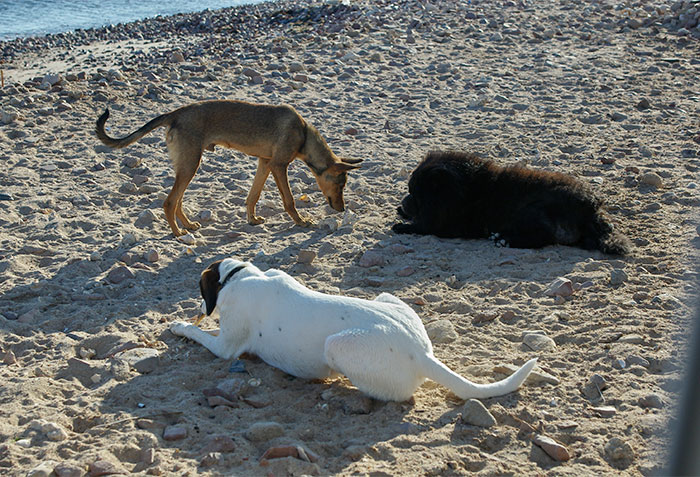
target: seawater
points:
(23, 18)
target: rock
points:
(553, 449)
(9, 358)
(119, 274)
(406, 271)
(652, 400)
(187, 239)
(210, 459)
(475, 413)
(295, 67)
(441, 331)
(604, 411)
(306, 256)
(68, 470)
(637, 360)
(54, 432)
(251, 73)
(539, 342)
(177, 57)
(45, 469)
(143, 360)
(371, 259)
(151, 255)
(560, 287)
(329, 223)
(643, 104)
(219, 444)
(619, 452)
(105, 467)
(617, 277)
(594, 387)
(652, 179)
(8, 117)
(206, 215)
(264, 431)
(145, 219)
(631, 338)
(174, 433)
(131, 161)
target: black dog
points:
(455, 194)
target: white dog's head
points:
(213, 280)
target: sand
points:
(90, 275)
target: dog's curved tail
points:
(465, 389)
(162, 120)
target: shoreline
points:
(91, 278)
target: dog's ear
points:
(348, 160)
(340, 167)
(209, 286)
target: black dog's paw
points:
(403, 228)
(498, 241)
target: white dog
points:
(380, 345)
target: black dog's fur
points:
(456, 194)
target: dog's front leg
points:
(214, 343)
(282, 181)
(258, 182)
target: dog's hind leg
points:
(208, 339)
(375, 365)
(185, 158)
(258, 182)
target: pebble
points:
(264, 431)
(174, 433)
(306, 256)
(553, 449)
(45, 469)
(151, 255)
(104, 467)
(560, 287)
(406, 271)
(441, 331)
(652, 179)
(619, 452)
(119, 274)
(604, 411)
(9, 358)
(143, 360)
(652, 400)
(539, 342)
(219, 444)
(594, 387)
(637, 360)
(145, 218)
(475, 413)
(617, 277)
(68, 470)
(371, 259)
(187, 239)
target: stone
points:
(264, 431)
(306, 256)
(120, 273)
(187, 239)
(104, 467)
(441, 331)
(210, 459)
(45, 469)
(643, 104)
(619, 452)
(251, 73)
(145, 218)
(553, 449)
(219, 444)
(475, 413)
(54, 432)
(604, 411)
(539, 342)
(652, 179)
(594, 387)
(560, 287)
(652, 400)
(174, 433)
(143, 360)
(406, 271)
(151, 255)
(9, 358)
(638, 360)
(371, 259)
(68, 470)
(177, 57)
(617, 277)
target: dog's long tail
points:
(465, 389)
(118, 143)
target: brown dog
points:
(275, 134)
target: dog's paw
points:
(193, 226)
(305, 222)
(255, 220)
(178, 328)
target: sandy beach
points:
(92, 382)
